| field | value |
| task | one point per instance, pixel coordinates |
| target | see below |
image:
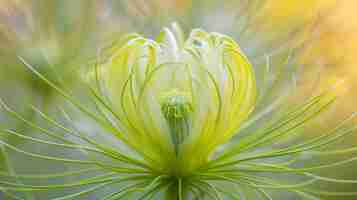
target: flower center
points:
(177, 108)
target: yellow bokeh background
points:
(337, 46)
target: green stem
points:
(175, 191)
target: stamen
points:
(177, 108)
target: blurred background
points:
(60, 37)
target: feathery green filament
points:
(176, 105)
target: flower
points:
(179, 99)
(178, 118)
